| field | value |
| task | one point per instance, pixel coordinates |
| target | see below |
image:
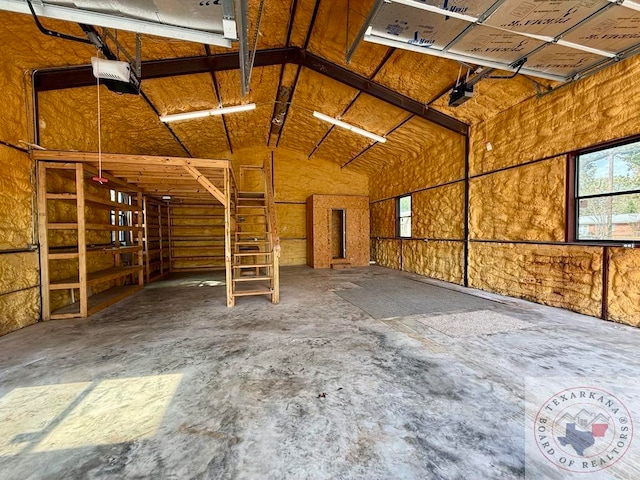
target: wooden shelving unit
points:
(157, 252)
(197, 237)
(97, 288)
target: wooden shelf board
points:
(96, 302)
(62, 196)
(93, 278)
(108, 203)
(198, 257)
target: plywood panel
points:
(525, 203)
(319, 208)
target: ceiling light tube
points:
(347, 126)
(118, 22)
(207, 113)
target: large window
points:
(404, 216)
(608, 194)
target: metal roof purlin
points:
(81, 76)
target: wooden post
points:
(275, 285)
(169, 226)
(141, 247)
(118, 256)
(227, 238)
(145, 212)
(43, 240)
(161, 236)
(82, 241)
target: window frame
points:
(572, 230)
(398, 216)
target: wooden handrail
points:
(270, 203)
(271, 206)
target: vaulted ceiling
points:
(286, 93)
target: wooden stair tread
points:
(250, 278)
(254, 265)
(246, 293)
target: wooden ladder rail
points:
(272, 228)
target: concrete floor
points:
(172, 384)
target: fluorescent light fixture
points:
(207, 113)
(347, 126)
(166, 197)
(77, 15)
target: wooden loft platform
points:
(186, 180)
(200, 184)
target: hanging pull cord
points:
(100, 179)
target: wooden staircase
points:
(256, 247)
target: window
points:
(608, 194)
(124, 219)
(404, 216)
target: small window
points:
(608, 194)
(404, 216)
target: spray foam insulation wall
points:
(490, 97)
(295, 179)
(386, 252)
(436, 259)
(203, 137)
(497, 203)
(314, 91)
(197, 237)
(410, 74)
(624, 285)
(563, 276)
(336, 26)
(600, 108)
(69, 121)
(418, 155)
(341, 145)
(249, 129)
